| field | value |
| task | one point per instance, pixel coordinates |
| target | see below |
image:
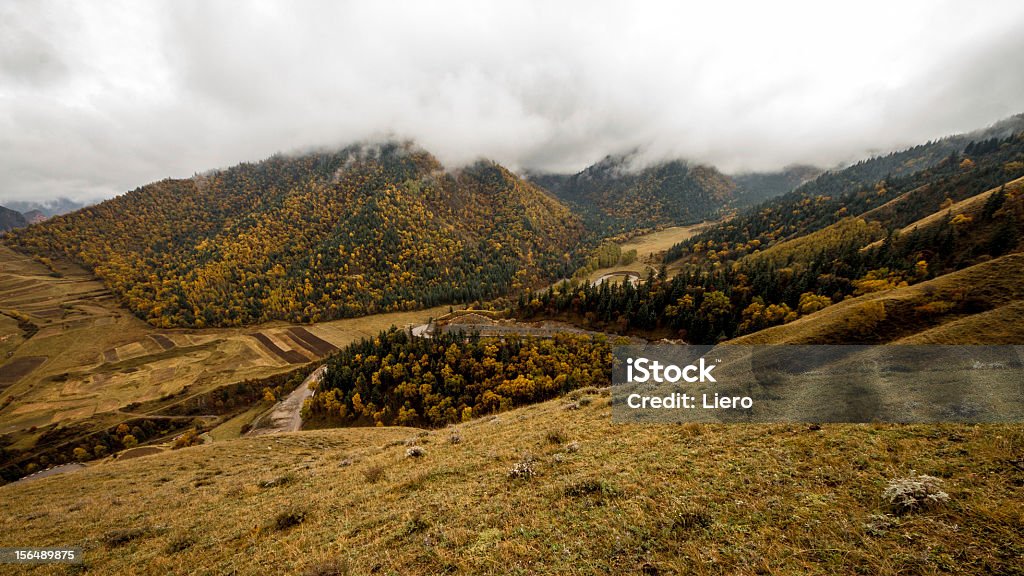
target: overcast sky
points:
(97, 97)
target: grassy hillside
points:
(316, 237)
(602, 498)
(976, 305)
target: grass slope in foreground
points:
(602, 499)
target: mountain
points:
(838, 237)
(48, 208)
(929, 170)
(316, 236)
(11, 219)
(614, 196)
(35, 216)
(756, 187)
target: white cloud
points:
(98, 98)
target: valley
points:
(75, 359)
(459, 418)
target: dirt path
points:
(286, 415)
(631, 277)
(62, 469)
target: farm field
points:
(649, 249)
(70, 352)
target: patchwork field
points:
(69, 352)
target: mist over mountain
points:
(613, 196)
(46, 208)
(11, 219)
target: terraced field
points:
(68, 352)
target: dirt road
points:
(62, 469)
(286, 415)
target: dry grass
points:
(657, 242)
(649, 250)
(713, 499)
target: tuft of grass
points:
(179, 543)
(691, 519)
(914, 492)
(116, 538)
(524, 469)
(590, 487)
(331, 567)
(288, 519)
(555, 436)
(373, 473)
(278, 481)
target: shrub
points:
(454, 438)
(914, 492)
(415, 452)
(189, 438)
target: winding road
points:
(286, 415)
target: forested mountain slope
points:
(613, 196)
(800, 254)
(756, 187)
(872, 183)
(317, 236)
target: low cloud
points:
(98, 98)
